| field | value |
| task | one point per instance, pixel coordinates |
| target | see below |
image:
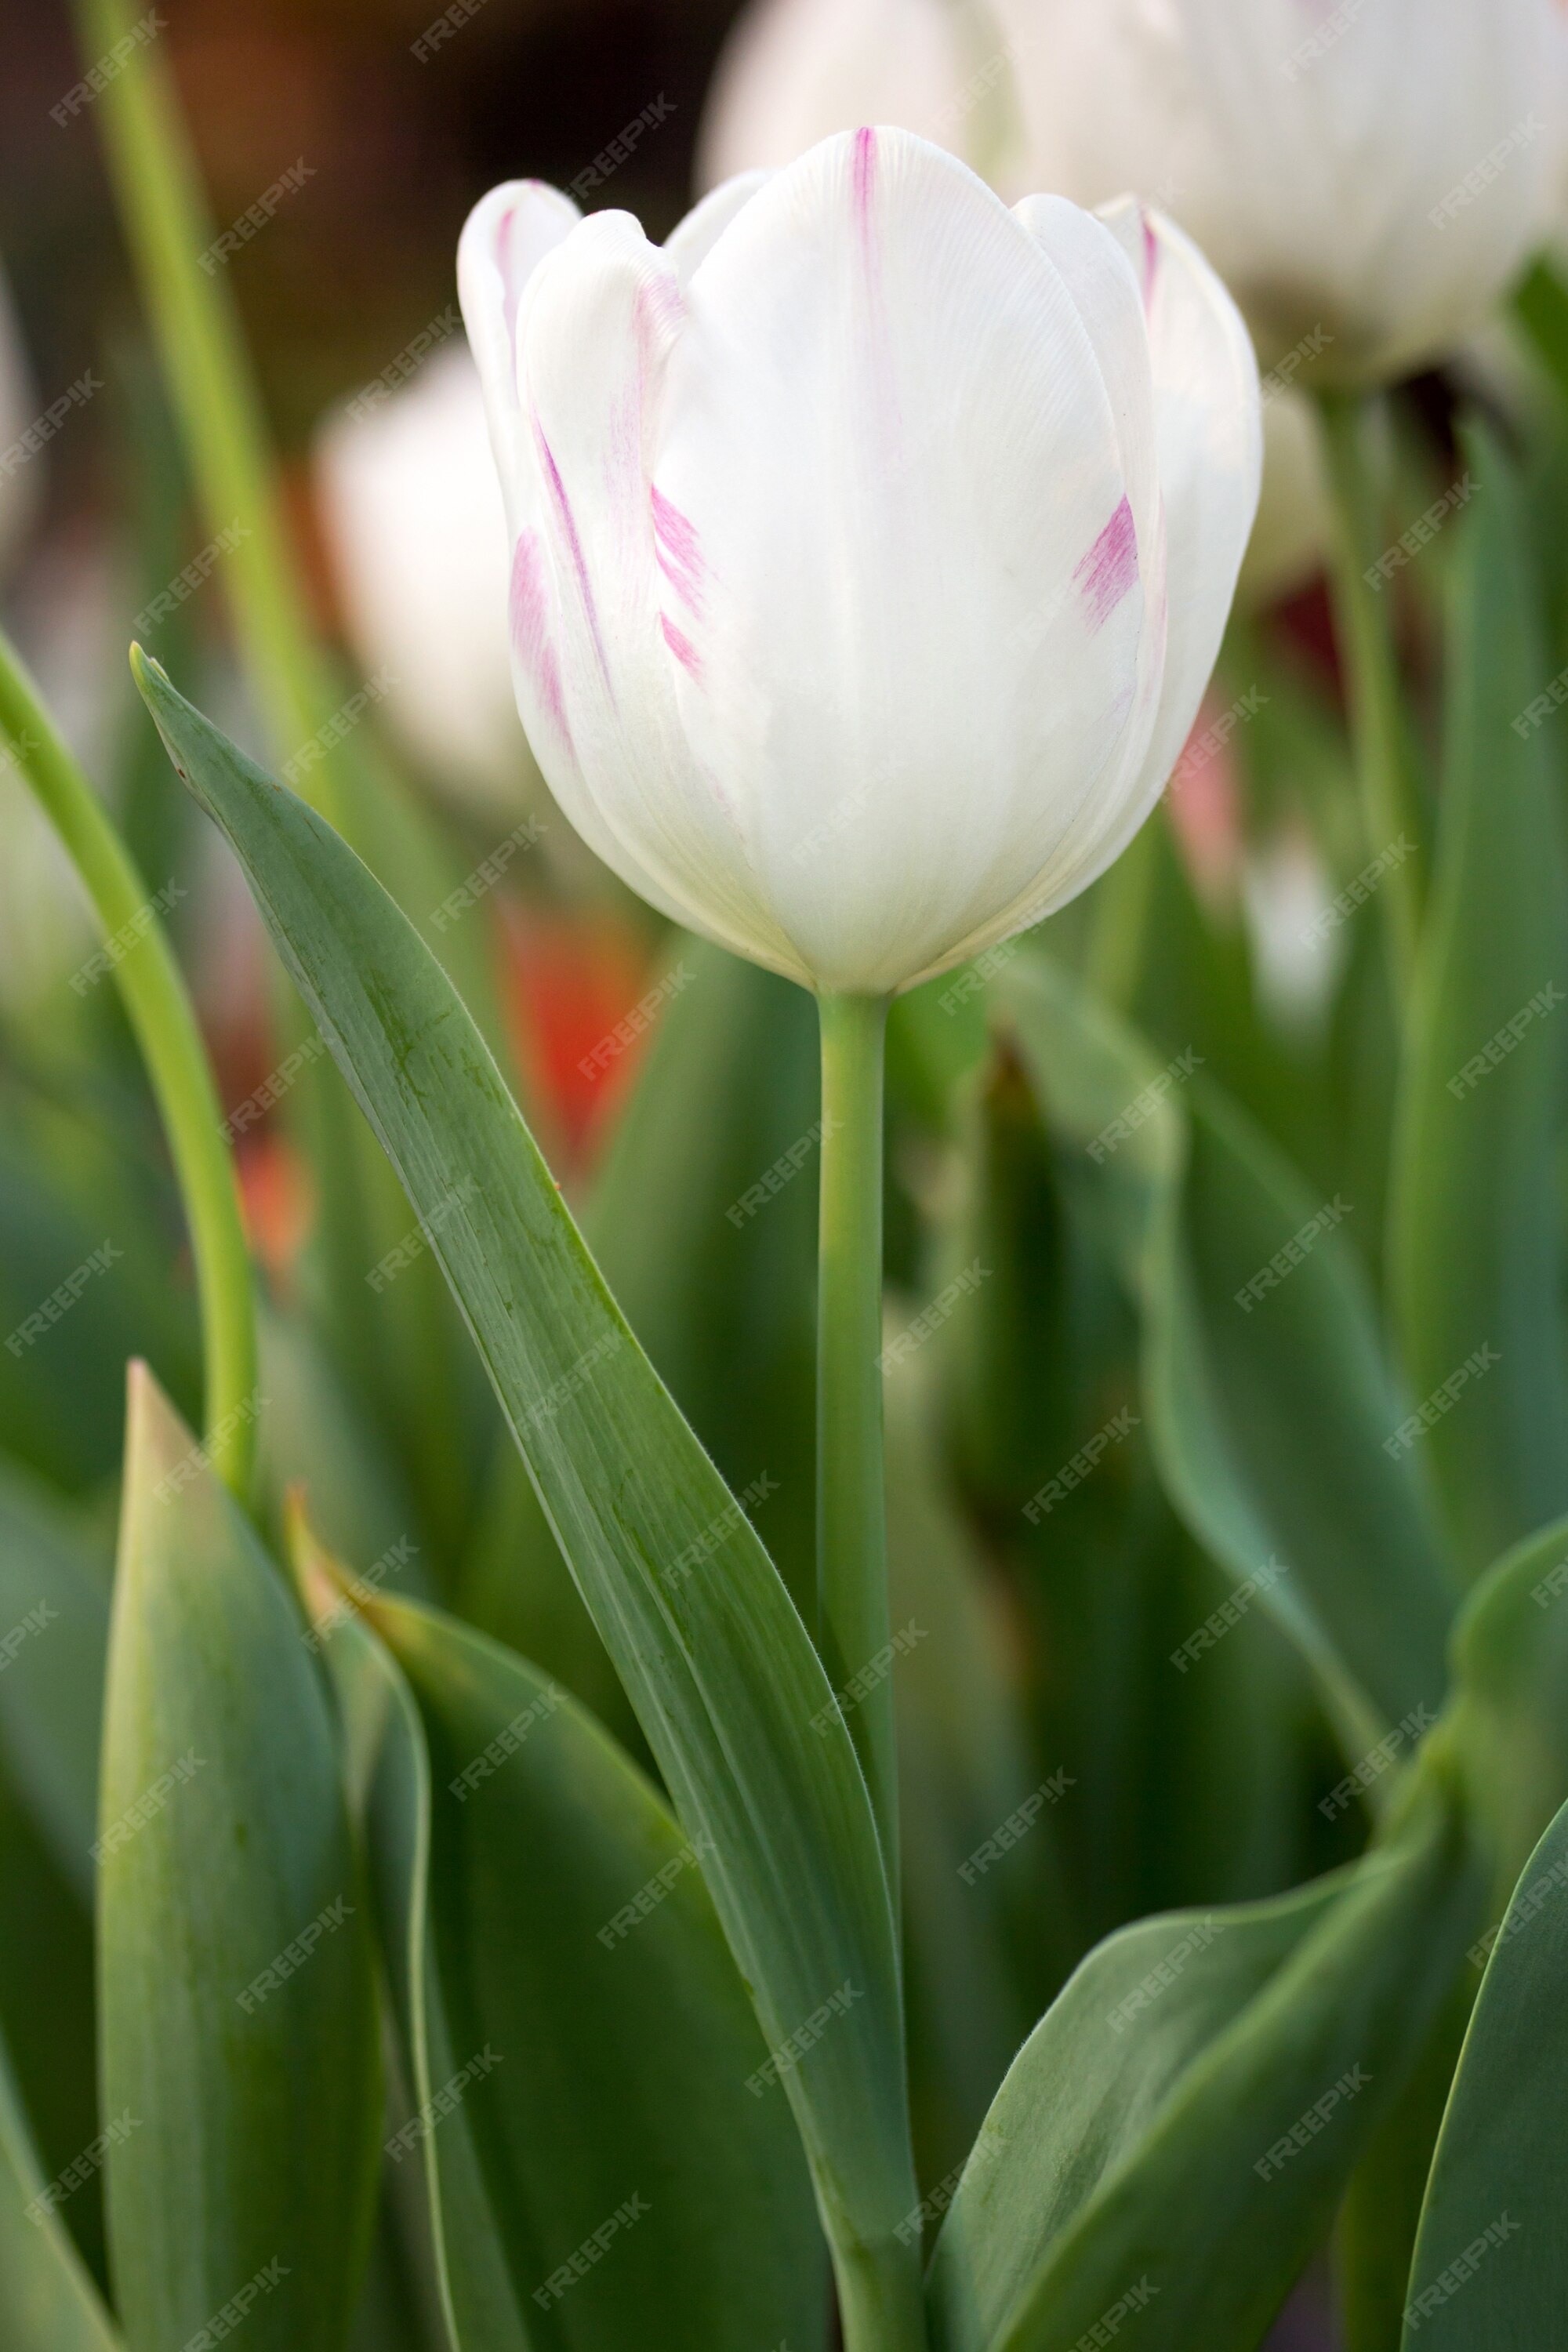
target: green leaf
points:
(727, 1685)
(1173, 2137)
(54, 1635)
(703, 1220)
(1249, 1392)
(1510, 1721)
(509, 1891)
(1491, 2269)
(47, 2302)
(1475, 1237)
(225, 1852)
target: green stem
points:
(1364, 618)
(205, 365)
(1114, 966)
(880, 2303)
(851, 1506)
(160, 1014)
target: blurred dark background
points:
(399, 145)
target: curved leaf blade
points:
(1249, 1395)
(237, 2009)
(729, 1692)
(1476, 1254)
(1491, 2260)
(551, 1912)
(47, 2302)
(1185, 2166)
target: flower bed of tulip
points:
(930, 1713)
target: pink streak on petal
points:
(677, 550)
(865, 180)
(1110, 567)
(568, 525)
(1151, 261)
(531, 636)
(683, 649)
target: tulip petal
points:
(889, 429)
(504, 239)
(705, 223)
(605, 578)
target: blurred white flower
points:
(1296, 949)
(796, 71)
(416, 533)
(872, 543)
(1374, 175)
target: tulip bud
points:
(872, 543)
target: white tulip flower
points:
(416, 534)
(872, 543)
(1371, 172)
